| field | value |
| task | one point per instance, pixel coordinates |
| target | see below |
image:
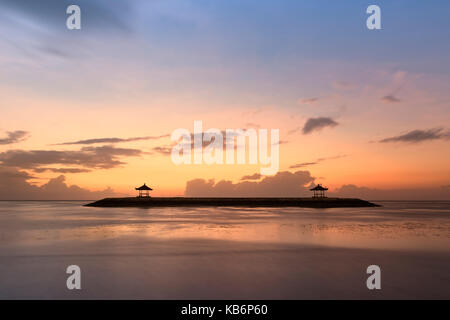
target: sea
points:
(224, 252)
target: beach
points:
(224, 253)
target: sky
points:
(89, 113)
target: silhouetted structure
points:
(144, 191)
(319, 191)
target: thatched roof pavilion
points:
(319, 191)
(144, 191)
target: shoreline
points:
(231, 202)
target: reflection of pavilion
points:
(319, 191)
(144, 191)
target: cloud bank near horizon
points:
(353, 191)
(283, 184)
(14, 185)
(288, 184)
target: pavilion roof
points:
(318, 187)
(144, 187)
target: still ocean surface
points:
(224, 253)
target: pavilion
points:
(319, 191)
(144, 191)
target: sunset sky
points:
(94, 108)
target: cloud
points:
(164, 150)
(61, 170)
(333, 157)
(113, 140)
(309, 100)
(283, 184)
(255, 176)
(228, 139)
(353, 191)
(390, 99)
(105, 157)
(14, 185)
(14, 137)
(36, 30)
(292, 131)
(52, 13)
(281, 142)
(303, 164)
(306, 164)
(416, 136)
(315, 124)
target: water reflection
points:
(406, 225)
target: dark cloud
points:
(390, 99)
(315, 124)
(255, 176)
(14, 185)
(283, 184)
(14, 137)
(104, 157)
(416, 136)
(353, 191)
(114, 140)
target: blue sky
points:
(256, 39)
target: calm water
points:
(223, 252)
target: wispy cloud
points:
(316, 124)
(61, 170)
(48, 12)
(319, 160)
(416, 136)
(308, 100)
(164, 150)
(302, 165)
(104, 157)
(204, 140)
(114, 140)
(14, 137)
